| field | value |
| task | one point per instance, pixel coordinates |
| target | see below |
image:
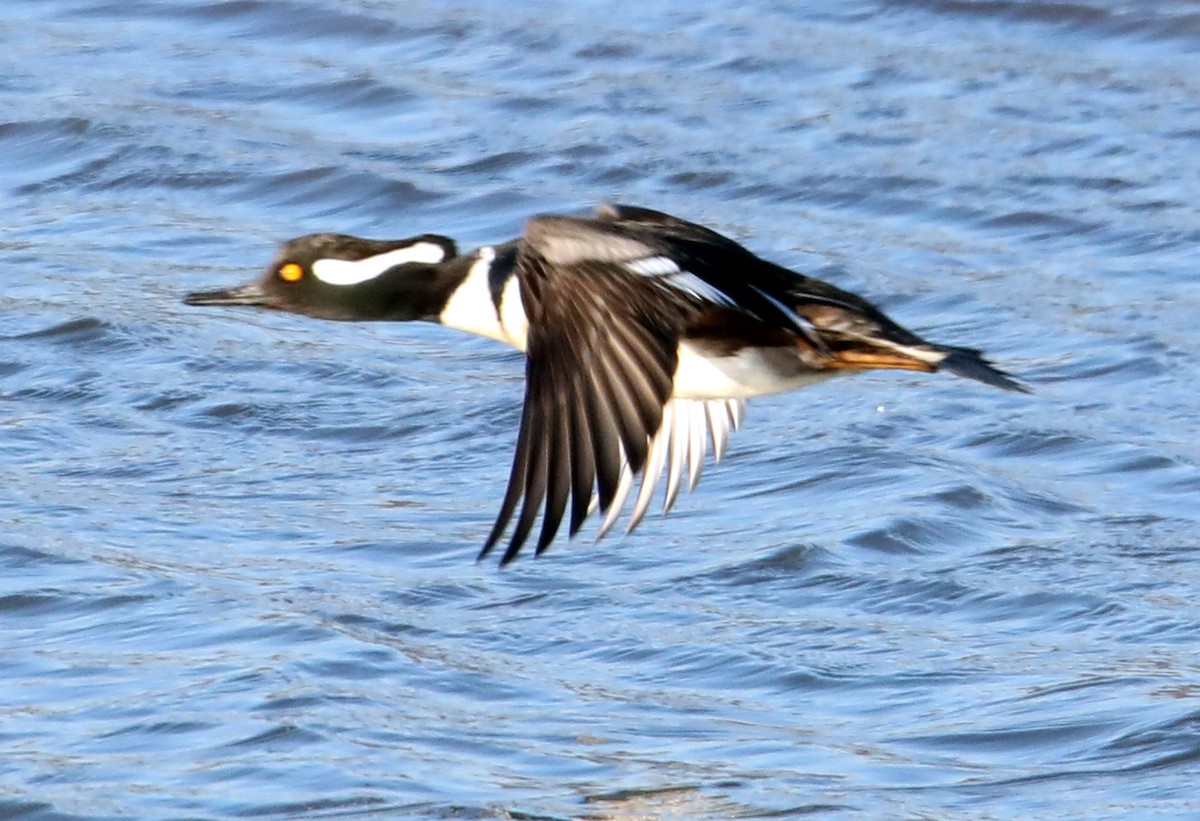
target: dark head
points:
(336, 276)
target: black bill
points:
(251, 294)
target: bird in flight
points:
(644, 335)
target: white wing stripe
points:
(679, 446)
(655, 461)
(803, 324)
(667, 272)
(697, 439)
(718, 427)
(735, 408)
(653, 266)
(618, 502)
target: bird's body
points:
(644, 334)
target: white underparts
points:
(471, 308)
(353, 272)
(748, 372)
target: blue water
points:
(238, 549)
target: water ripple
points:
(238, 548)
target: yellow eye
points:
(291, 272)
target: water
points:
(237, 548)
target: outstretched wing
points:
(605, 311)
(755, 285)
(608, 301)
(847, 329)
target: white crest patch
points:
(352, 272)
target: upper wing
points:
(605, 311)
(847, 329)
(762, 288)
(607, 302)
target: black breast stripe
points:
(501, 272)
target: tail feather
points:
(972, 364)
(865, 354)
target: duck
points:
(644, 335)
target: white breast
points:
(471, 309)
(512, 315)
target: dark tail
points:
(971, 363)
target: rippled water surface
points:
(238, 549)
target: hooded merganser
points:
(644, 334)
